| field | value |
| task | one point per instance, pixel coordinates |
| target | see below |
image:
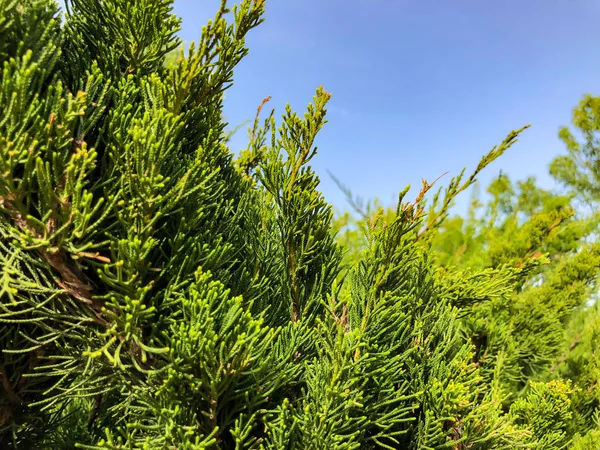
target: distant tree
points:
(539, 324)
(527, 331)
(579, 169)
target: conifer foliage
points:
(157, 292)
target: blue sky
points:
(420, 87)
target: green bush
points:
(156, 292)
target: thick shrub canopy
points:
(158, 292)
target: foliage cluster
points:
(158, 292)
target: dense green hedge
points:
(156, 292)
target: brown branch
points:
(10, 393)
(590, 388)
(96, 256)
(94, 411)
(255, 126)
(343, 319)
(72, 280)
(426, 188)
(34, 361)
(6, 409)
(574, 344)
